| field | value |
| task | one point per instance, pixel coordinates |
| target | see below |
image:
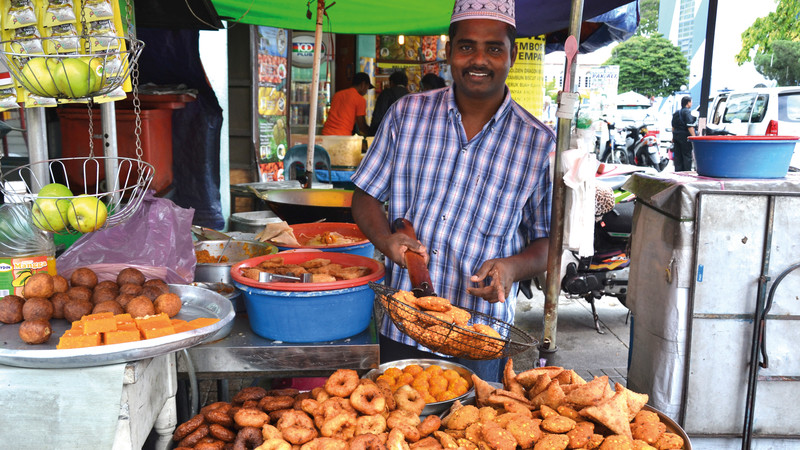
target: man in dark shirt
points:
(683, 126)
(397, 88)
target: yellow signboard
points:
(526, 78)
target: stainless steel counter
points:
(244, 354)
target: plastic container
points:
(306, 231)
(24, 249)
(309, 312)
(743, 156)
(156, 140)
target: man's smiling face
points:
(480, 56)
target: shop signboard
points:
(526, 78)
(271, 103)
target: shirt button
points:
(435, 252)
(444, 217)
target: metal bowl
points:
(236, 251)
(437, 407)
(310, 205)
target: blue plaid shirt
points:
(468, 200)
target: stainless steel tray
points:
(197, 302)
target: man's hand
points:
(398, 243)
(494, 279)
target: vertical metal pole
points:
(314, 100)
(705, 83)
(553, 284)
(37, 147)
(109, 117)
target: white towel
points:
(580, 168)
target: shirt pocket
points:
(496, 208)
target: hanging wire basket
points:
(98, 200)
(71, 75)
(451, 339)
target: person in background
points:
(432, 81)
(683, 126)
(398, 82)
(469, 168)
(349, 109)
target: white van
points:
(757, 111)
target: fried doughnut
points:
(213, 406)
(409, 399)
(221, 433)
(296, 427)
(403, 417)
(320, 394)
(433, 303)
(342, 426)
(388, 394)
(270, 432)
(275, 416)
(396, 441)
(248, 437)
(291, 392)
(374, 424)
(309, 406)
(446, 440)
(220, 416)
(411, 434)
(367, 442)
(187, 427)
(429, 425)
(342, 383)
(253, 404)
(213, 444)
(325, 443)
(270, 403)
(368, 399)
(250, 417)
(274, 444)
(249, 393)
(194, 437)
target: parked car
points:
(757, 112)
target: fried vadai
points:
(342, 383)
(37, 308)
(11, 309)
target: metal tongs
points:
(267, 277)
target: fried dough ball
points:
(39, 285)
(60, 284)
(130, 288)
(11, 309)
(100, 295)
(108, 306)
(124, 299)
(130, 275)
(76, 308)
(80, 293)
(140, 306)
(59, 299)
(161, 284)
(37, 308)
(168, 303)
(108, 284)
(35, 331)
(152, 292)
(83, 277)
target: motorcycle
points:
(642, 149)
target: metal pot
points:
(310, 205)
(236, 251)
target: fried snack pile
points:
(328, 238)
(322, 270)
(347, 413)
(555, 409)
(433, 383)
(442, 327)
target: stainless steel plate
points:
(430, 408)
(197, 302)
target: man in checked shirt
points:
(468, 167)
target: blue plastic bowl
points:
(308, 316)
(743, 156)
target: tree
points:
(778, 25)
(650, 66)
(781, 64)
(648, 18)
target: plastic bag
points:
(157, 239)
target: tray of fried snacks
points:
(450, 330)
(553, 407)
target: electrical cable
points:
(194, 390)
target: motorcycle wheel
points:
(621, 156)
(663, 164)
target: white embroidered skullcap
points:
(502, 10)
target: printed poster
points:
(526, 78)
(271, 74)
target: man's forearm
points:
(370, 217)
(530, 261)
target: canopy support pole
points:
(314, 100)
(705, 82)
(556, 248)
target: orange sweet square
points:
(126, 326)
(155, 321)
(120, 336)
(78, 341)
(201, 322)
(77, 325)
(150, 333)
(99, 325)
(100, 315)
(123, 318)
(181, 325)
